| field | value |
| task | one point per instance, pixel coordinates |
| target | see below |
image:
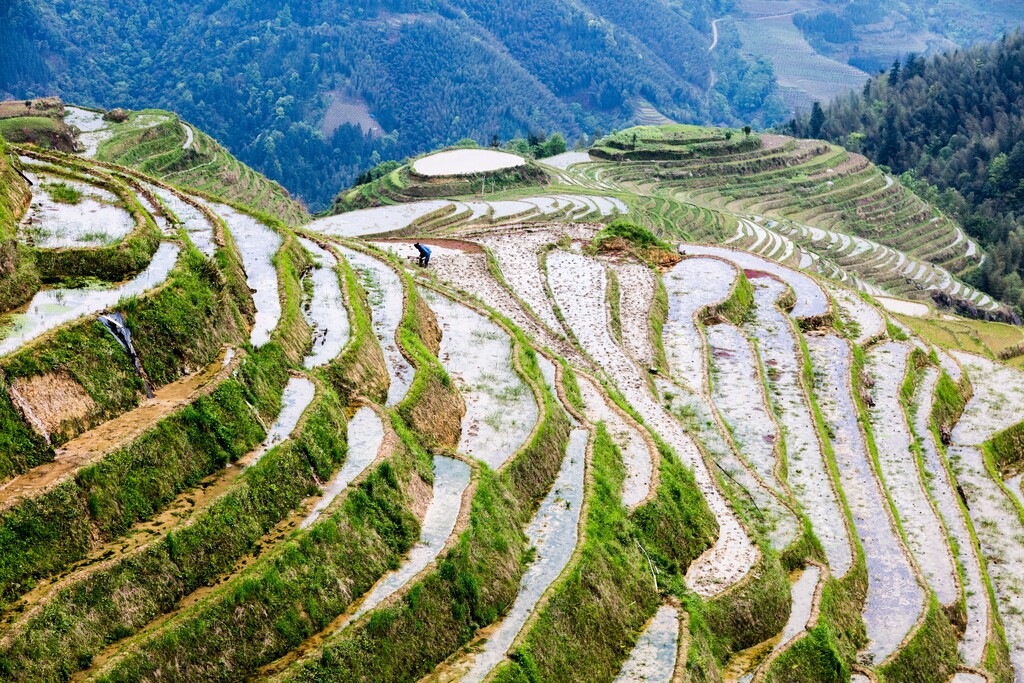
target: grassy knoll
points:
(43, 131)
(405, 185)
(675, 141)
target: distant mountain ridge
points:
(257, 75)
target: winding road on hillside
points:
(188, 135)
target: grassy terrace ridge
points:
(205, 165)
(155, 142)
(603, 599)
(135, 481)
(19, 279)
(181, 325)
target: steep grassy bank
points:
(359, 369)
(185, 558)
(18, 277)
(471, 584)
(584, 630)
(111, 263)
(44, 534)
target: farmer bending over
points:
(424, 259)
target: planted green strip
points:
(296, 591)
(736, 307)
(1007, 447)
(184, 560)
(586, 628)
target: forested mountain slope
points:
(954, 122)
(285, 86)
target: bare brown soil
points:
(48, 401)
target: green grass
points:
(191, 556)
(45, 534)
(595, 611)
(736, 308)
(63, 193)
(39, 130)
(206, 166)
(296, 588)
(112, 263)
(613, 299)
(19, 279)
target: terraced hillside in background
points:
(153, 141)
(571, 448)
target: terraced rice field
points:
(94, 219)
(257, 244)
(458, 162)
(894, 599)
(540, 458)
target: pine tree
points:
(817, 120)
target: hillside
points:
(819, 49)
(954, 124)
(693, 405)
(151, 140)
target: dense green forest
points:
(257, 74)
(954, 125)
